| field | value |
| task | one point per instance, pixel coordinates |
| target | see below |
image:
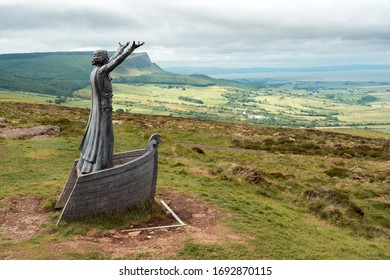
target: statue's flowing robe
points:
(97, 146)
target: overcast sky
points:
(240, 33)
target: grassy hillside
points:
(48, 73)
(282, 193)
(61, 73)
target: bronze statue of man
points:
(97, 146)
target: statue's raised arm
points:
(122, 55)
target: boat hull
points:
(131, 182)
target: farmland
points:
(360, 105)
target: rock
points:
(198, 150)
(42, 131)
(3, 120)
(133, 234)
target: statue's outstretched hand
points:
(121, 47)
(135, 46)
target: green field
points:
(284, 193)
(359, 105)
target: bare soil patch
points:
(22, 218)
(201, 225)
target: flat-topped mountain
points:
(61, 73)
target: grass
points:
(290, 193)
(275, 207)
(19, 96)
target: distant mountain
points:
(61, 73)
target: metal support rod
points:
(150, 228)
(173, 213)
(181, 223)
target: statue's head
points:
(100, 57)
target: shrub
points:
(337, 172)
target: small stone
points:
(134, 233)
(105, 240)
(152, 233)
(149, 237)
(199, 215)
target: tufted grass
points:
(289, 193)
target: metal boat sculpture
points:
(130, 182)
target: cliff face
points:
(138, 61)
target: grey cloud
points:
(196, 32)
(13, 18)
